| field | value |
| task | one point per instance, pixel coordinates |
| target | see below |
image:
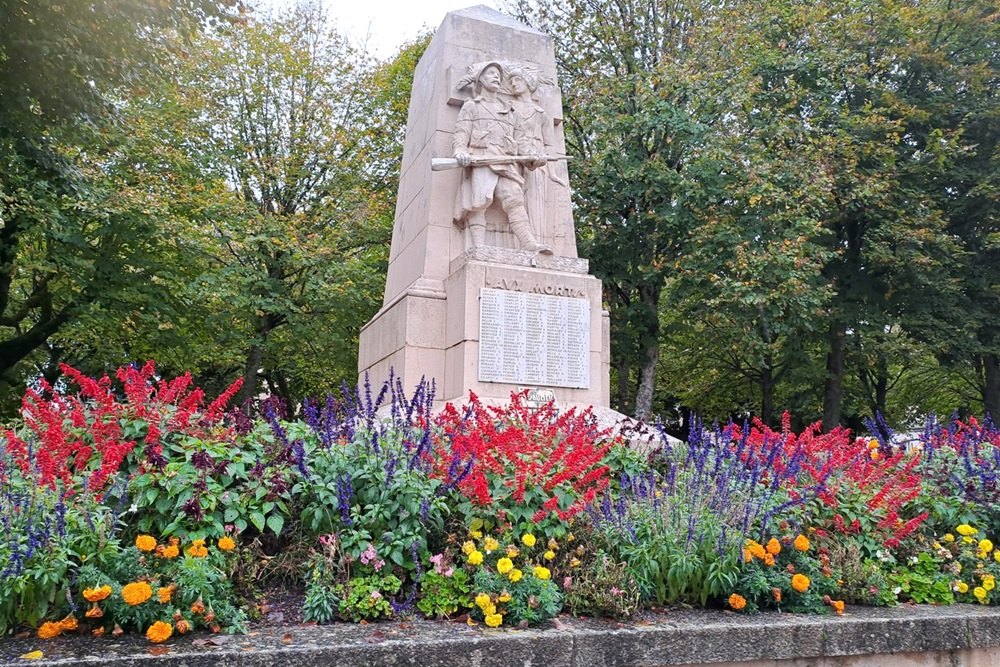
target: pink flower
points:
(616, 591)
(376, 595)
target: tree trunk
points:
(647, 379)
(649, 348)
(255, 356)
(834, 386)
(991, 385)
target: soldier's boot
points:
(522, 230)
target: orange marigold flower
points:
(197, 549)
(747, 556)
(98, 631)
(226, 543)
(164, 593)
(159, 632)
(171, 552)
(800, 582)
(69, 624)
(49, 630)
(838, 606)
(96, 594)
(198, 607)
(801, 543)
(756, 550)
(776, 594)
(145, 543)
(773, 547)
(769, 560)
(137, 592)
(737, 601)
(182, 627)
(94, 611)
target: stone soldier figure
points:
(488, 126)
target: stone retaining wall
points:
(953, 636)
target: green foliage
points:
(443, 595)
(530, 600)
(367, 598)
(919, 579)
(193, 585)
(393, 503)
(603, 587)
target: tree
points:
(62, 68)
(631, 122)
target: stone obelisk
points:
(484, 290)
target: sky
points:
(387, 24)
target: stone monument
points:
(484, 290)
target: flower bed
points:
(138, 507)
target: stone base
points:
(433, 330)
(951, 636)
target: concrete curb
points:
(670, 638)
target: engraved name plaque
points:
(534, 339)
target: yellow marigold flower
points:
(962, 587)
(996, 555)
(948, 537)
(504, 597)
(574, 562)
(737, 601)
(800, 582)
(490, 545)
(505, 565)
(801, 543)
(549, 555)
(468, 547)
(475, 558)
(171, 551)
(226, 543)
(515, 575)
(512, 551)
(145, 543)
(137, 592)
(159, 632)
(49, 630)
(542, 572)
(483, 601)
(966, 530)
(96, 594)
(773, 547)
(494, 620)
(873, 444)
(989, 583)
(570, 537)
(476, 534)
(528, 540)
(985, 545)
(164, 593)
(553, 545)
(968, 540)
(980, 594)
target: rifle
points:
(444, 163)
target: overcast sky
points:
(387, 23)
